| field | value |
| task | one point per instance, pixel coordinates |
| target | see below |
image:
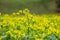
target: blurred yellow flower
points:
(0, 13)
(13, 13)
(35, 26)
(20, 11)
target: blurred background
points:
(36, 6)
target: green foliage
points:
(29, 26)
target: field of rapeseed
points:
(23, 25)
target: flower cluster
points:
(23, 25)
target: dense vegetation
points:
(23, 25)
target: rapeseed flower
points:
(23, 25)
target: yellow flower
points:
(20, 11)
(49, 32)
(26, 11)
(18, 25)
(9, 32)
(13, 13)
(35, 27)
(38, 39)
(15, 36)
(0, 38)
(52, 29)
(57, 31)
(0, 13)
(35, 36)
